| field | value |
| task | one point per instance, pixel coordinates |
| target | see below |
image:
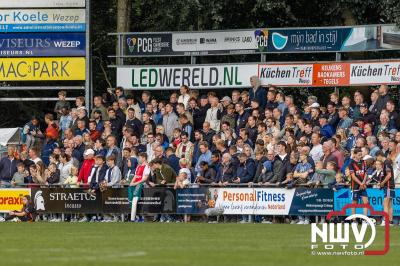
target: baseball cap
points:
(364, 105)
(314, 105)
(367, 157)
(226, 98)
(88, 151)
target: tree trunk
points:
(123, 19)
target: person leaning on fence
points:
(140, 177)
(163, 173)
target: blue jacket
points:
(327, 131)
(246, 171)
(260, 96)
(47, 150)
(8, 168)
(173, 161)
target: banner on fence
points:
(42, 20)
(42, 44)
(238, 75)
(66, 200)
(262, 40)
(41, 3)
(375, 199)
(52, 68)
(11, 198)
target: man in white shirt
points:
(316, 152)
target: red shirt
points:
(94, 135)
(52, 131)
(85, 170)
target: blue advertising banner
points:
(42, 44)
(192, 200)
(308, 201)
(359, 38)
(375, 198)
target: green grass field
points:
(170, 244)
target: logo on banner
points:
(261, 36)
(39, 201)
(131, 42)
(337, 238)
(279, 41)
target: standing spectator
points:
(134, 123)
(8, 167)
(207, 174)
(185, 148)
(61, 103)
(87, 167)
(257, 92)
(213, 115)
(98, 106)
(172, 159)
(383, 98)
(184, 95)
(164, 174)
(65, 167)
(31, 133)
(113, 149)
(52, 127)
(170, 121)
(205, 155)
(245, 171)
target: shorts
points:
(357, 194)
(388, 193)
(135, 191)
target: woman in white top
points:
(65, 167)
(184, 97)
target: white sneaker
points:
(266, 222)
(2, 219)
(293, 222)
(57, 220)
(83, 220)
(15, 220)
(383, 223)
(300, 222)
(307, 222)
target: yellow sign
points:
(11, 198)
(52, 68)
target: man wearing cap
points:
(326, 130)
(345, 121)
(366, 115)
(257, 92)
(225, 101)
(86, 167)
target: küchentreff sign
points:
(41, 3)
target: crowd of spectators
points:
(258, 136)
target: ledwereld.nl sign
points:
(320, 74)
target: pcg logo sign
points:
(334, 238)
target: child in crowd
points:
(72, 179)
(18, 177)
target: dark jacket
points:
(173, 161)
(102, 174)
(280, 169)
(54, 178)
(246, 171)
(8, 168)
(260, 95)
(226, 174)
(209, 176)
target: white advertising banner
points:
(41, 3)
(214, 41)
(253, 200)
(42, 16)
(375, 73)
(196, 77)
(286, 74)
